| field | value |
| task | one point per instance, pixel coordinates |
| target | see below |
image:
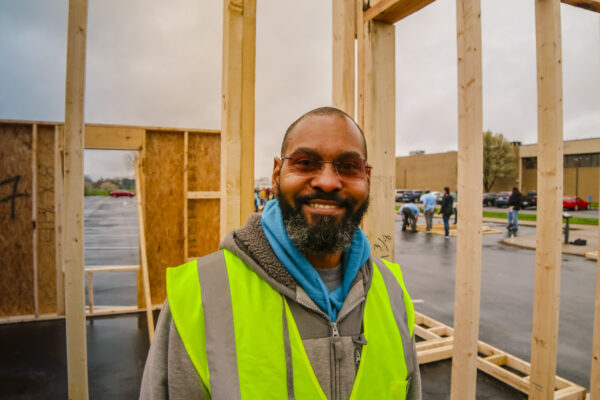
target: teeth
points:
(319, 205)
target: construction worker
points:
(293, 305)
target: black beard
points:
(325, 236)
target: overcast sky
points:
(158, 63)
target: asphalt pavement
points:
(33, 363)
(428, 264)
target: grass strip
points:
(533, 217)
(96, 192)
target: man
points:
(514, 205)
(410, 215)
(429, 201)
(446, 210)
(293, 305)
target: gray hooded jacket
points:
(170, 374)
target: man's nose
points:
(327, 179)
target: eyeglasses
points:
(347, 166)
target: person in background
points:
(410, 215)
(514, 205)
(256, 200)
(429, 201)
(446, 210)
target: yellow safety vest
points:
(264, 332)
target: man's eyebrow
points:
(312, 152)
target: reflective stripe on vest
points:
(240, 333)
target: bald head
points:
(321, 112)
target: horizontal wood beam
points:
(113, 138)
(112, 268)
(203, 195)
(592, 5)
(392, 11)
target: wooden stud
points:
(467, 292)
(360, 57)
(73, 249)
(380, 133)
(144, 259)
(111, 268)
(203, 195)
(58, 219)
(90, 291)
(237, 113)
(343, 60)
(592, 5)
(392, 11)
(595, 369)
(550, 191)
(34, 218)
(185, 196)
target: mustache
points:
(330, 196)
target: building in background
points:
(435, 171)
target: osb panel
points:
(16, 230)
(204, 162)
(203, 227)
(162, 168)
(45, 219)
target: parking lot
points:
(34, 354)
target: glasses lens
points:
(351, 167)
(304, 163)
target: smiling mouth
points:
(328, 206)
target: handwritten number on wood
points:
(14, 195)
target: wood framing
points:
(142, 241)
(58, 220)
(185, 196)
(467, 291)
(550, 191)
(73, 246)
(392, 11)
(592, 5)
(34, 200)
(237, 113)
(343, 60)
(438, 344)
(595, 368)
(379, 91)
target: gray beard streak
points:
(325, 237)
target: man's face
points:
(322, 209)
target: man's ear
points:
(277, 163)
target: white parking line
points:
(417, 301)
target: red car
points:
(120, 193)
(575, 203)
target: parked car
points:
(438, 197)
(575, 203)
(489, 198)
(120, 193)
(501, 199)
(399, 194)
(412, 196)
(529, 199)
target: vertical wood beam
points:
(595, 371)
(343, 60)
(185, 196)
(34, 218)
(360, 60)
(58, 220)
(143, 256)
(73, 256)
(237, 113)
(467, 290)
(550, 191)
(379, 114)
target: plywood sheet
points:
(203, 226)
(16, 230)
(162, 169)
(45, 220)
(204, 158)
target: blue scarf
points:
(302, 270)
